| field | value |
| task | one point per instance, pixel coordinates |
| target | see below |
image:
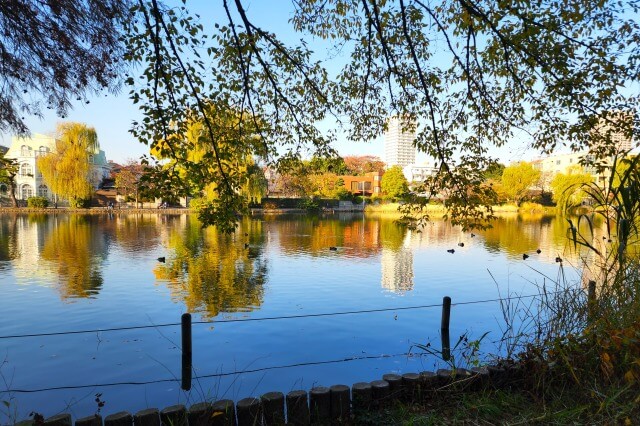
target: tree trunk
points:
(12, 191)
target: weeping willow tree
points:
(195, 165)
(67, 170)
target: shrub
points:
(79, 203)
(37, 202)
(309, 204)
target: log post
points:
(444, 377)
(148, 417)
(224, 413)
(297, 408)
(273, 408)
(59, 420)
(186, 351)
(395, 386)
(361, 396)
(174, 415)
(591, 301)
(411, 385)
(118, 419)
(444, 328)
(340, 404)
(320, 405)
(95, 420)
(200, 414)
(249, 412)
(380, 393)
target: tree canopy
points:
(473, 75)
(517, 180)
(362, 164)
(569, 189)
(394, 183)
(67, 170)
(56, 52)
(543, 69)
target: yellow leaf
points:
(630, 377)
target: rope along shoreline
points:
(284, 317)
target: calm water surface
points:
(67, 272)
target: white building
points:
(29, 181)
(613, 131)
(399, 141)
(418, 173)
(614, 128)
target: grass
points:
(505, 407)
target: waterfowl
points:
(473, 235)
(332, 248)
(451, 251)
(558, 259)
(461, 244)
(525, 256)
(161, 259)
(538, 251)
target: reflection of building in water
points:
(397, 266)
(30, 236)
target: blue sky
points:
(112, 115)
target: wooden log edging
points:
(335, 405)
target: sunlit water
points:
(66, 273)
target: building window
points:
(43, 191)
(26, 170)
(360, 186)
(26, 191)
(24, 151)
(3, 188)
(91, 159)
(558, 162)
(43, 150)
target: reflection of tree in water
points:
(516, 235)
(8, 243)
(138, 233)
(392, 234)
(214, 272)
(76, 253)
(314, 236)
(527, 232)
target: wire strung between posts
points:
(208, 376)
(284, 317)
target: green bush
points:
(309, 204)
(80, 203)
(37, 202)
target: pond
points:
(66, 273)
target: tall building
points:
(614, 129)
(398, 142)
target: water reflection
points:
(212, 272)
(75, 254)
(396, 258)
(8, 241)
(519, 234)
